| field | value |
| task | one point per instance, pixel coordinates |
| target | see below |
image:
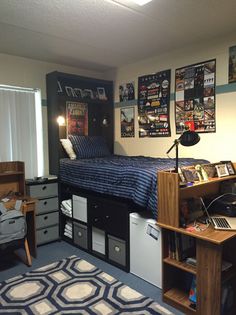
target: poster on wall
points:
(232, 64)
(195, 97)
(76, 118)
(127, 122)
(154, 104)
(126, 91)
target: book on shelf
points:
(181, 246)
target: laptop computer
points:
(220, 222)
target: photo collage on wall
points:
(154, 104)
(195, 97)
(127, 122)
(77, 118)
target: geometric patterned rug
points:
(72, 286)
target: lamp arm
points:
(176, 142)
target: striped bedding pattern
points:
(132, 177)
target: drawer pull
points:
(95, 206)
(44, 187)
(95, 219)
(45, 218)
(45, 232)
(107, 216)
(79, 234)
(117, 249)
(45, 202)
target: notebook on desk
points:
(221, 222)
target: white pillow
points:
(67, 145)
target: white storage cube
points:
(80, 208)
(98, 240)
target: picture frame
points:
(230, 167)
(222, 170)
(190, 174)
(210, 169)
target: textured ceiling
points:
(103, 34)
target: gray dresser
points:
(47, 214)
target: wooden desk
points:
(29, 209)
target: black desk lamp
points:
(187, 139)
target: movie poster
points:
(127, 122)
(232, 64)
(126, 92)
(195, 97)
(77, 118)
(154, 104)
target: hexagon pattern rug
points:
(72, 286)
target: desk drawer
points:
(47, 219)
(47, 235)
(42, 191)
(46, 205)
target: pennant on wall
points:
(195, 97)
(154, 104)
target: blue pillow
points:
(89, 146)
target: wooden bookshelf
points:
(12, 178)
(212, 247)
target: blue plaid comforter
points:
(132, 177)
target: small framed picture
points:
(181, 176)
(190, 174)
(210, 169)
(222, 170)
(230, 167)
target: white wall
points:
(17, 71)
(213, 146)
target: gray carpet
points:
(58, 250)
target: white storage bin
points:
(80, 208)
(98, 240)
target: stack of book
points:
(181, 246)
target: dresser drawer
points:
(46, 205)
(47, 235)
(47, 219)
(42, 191)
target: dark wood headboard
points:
(62, 88)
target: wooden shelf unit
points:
(212, 247)
(12, 177)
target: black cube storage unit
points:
(100, 226)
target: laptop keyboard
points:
(221, 223)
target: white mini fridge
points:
(145, 248)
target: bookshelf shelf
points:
(178, 299)
(211, 248)
(181, 265)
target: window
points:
(21, 128)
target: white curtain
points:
(19, 129)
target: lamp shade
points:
(189, 138)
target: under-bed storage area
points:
(97, 224)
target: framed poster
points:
(232, 64)
(126, 92)
(154, 104)
(195, 97)
(127, 122)
(76, 118)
